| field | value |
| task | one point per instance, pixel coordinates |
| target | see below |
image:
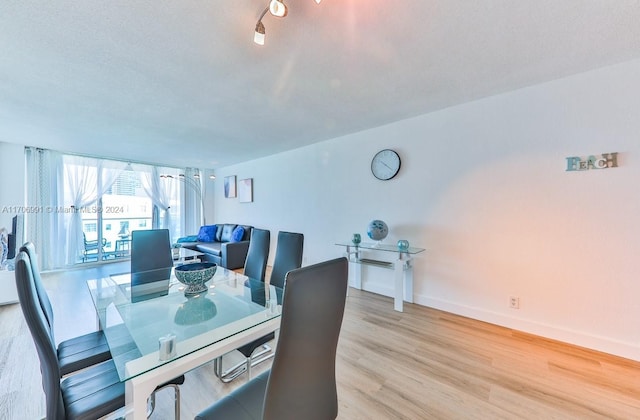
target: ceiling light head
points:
(259, 35)
(277, 8)
(318, 1)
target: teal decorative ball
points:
(377, 230)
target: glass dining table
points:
(156, 333)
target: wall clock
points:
(385, 164)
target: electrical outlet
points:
(514, 302)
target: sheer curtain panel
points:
(45, 227)
(86, 180)
(163, 191)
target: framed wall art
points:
(245, 190)
(230, 186)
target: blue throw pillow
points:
(207, 233)
(237, 234)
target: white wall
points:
(483, 187)
(12, 166)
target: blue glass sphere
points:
(377, 230)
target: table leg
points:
(403, 281)
(408, 280)
(355, 269)
(137, 391)
(398, 283)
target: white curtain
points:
(45, 195)
(86, 182)
(162, 191)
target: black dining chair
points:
(90, 394)
(288, 257)
(75, 353)
(151, 264)
(255, 267)
(301, 383)
(255, 264)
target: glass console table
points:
(402, 267)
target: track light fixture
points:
(278, 9)
(258, 37)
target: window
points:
(124, 205)
(115, 199)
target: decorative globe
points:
(377, 230)
(403, 245)
(194, 276)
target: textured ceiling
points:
(182, 83)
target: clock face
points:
(385, 164)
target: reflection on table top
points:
(135, 318)
(184, 253)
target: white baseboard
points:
(578, 338)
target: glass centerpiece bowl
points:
(194, 276)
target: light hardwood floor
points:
(420, 364)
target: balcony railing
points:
(115, 242)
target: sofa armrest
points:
(234, 254)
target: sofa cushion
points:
(238, 234)
(227, 232)
(219, 233)
(247, 233)
(190, 245)
(213, 248)
(207, 233)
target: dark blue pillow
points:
(237, 234)
(207, 233)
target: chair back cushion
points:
(288, 256)
(150, 250)
(302, 382)
(151, 263)
(256, 263)
(45, 303)
(40, 332)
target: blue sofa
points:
(223, 244)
